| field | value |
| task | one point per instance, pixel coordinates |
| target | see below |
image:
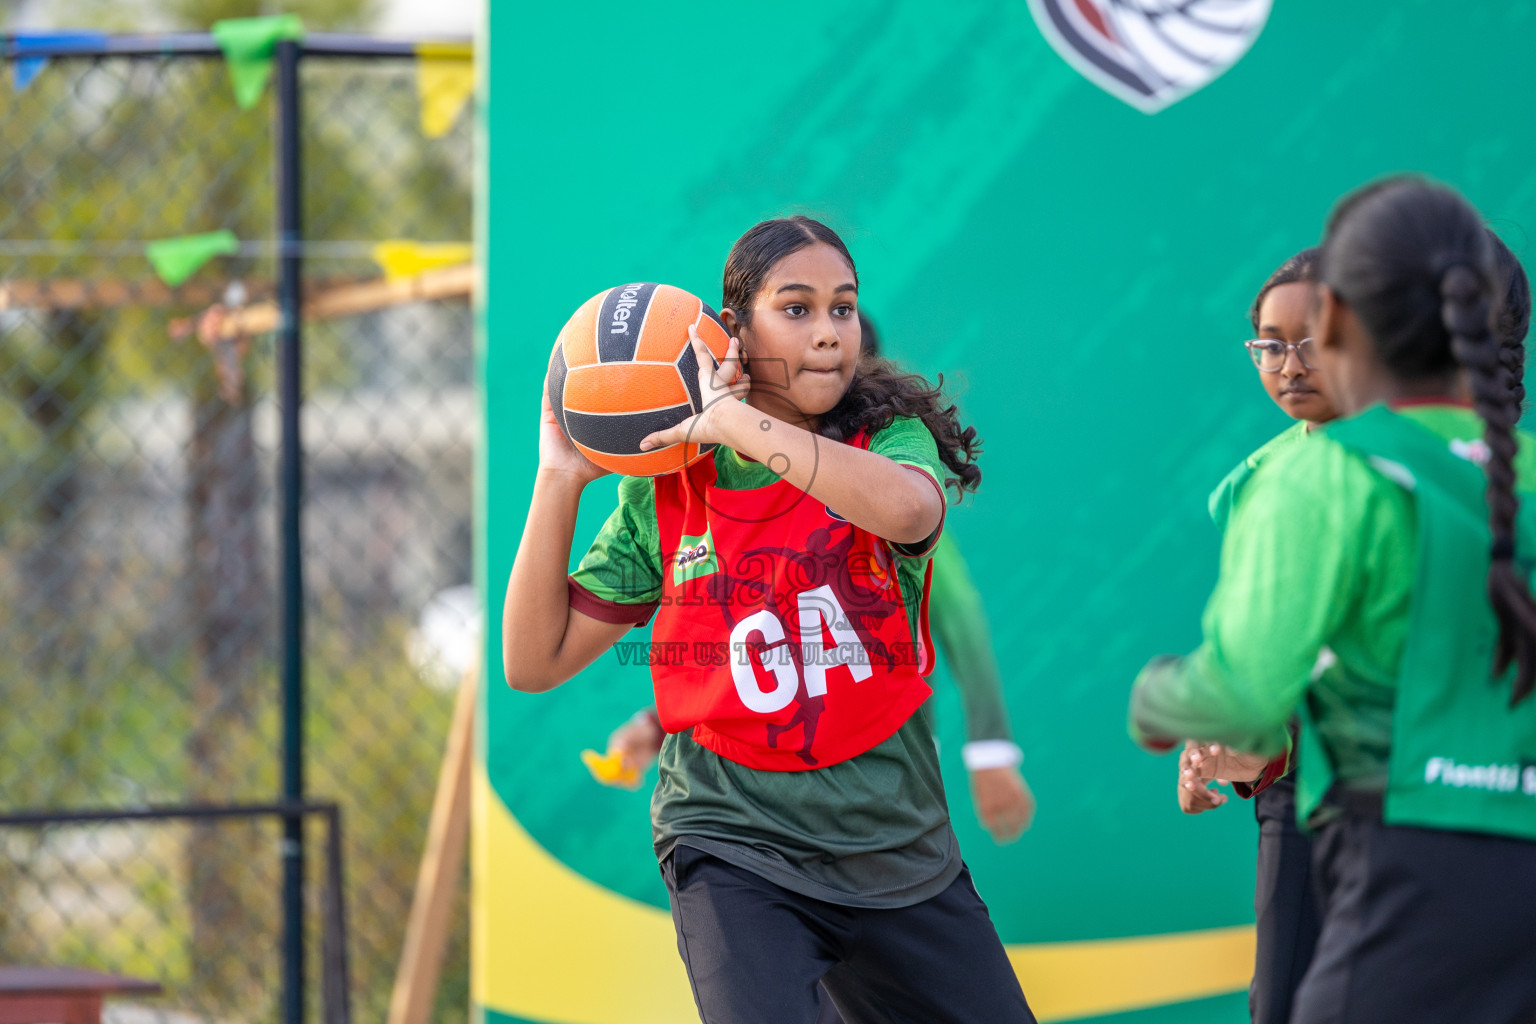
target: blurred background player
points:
(1284, 903)
(1003, 801)
(1374, 579)
(1284, 898)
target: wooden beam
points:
(357, 298)
(54, 293)
(442, 865)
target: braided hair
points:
(879, 391)
(1513, 318)
(1415, 263)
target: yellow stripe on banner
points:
(1071, 980)
(549, 944)
(445, 80)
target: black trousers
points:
(755, 952)
(1421, 926)
(1285, 905)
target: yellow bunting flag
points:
(400, 258)
(445, 79)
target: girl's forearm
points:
(868, 490)
(537, 608)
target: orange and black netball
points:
(624, 368)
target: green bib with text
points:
(1462, 759)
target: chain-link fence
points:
(140, 570)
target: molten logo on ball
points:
(628, 300)
(1151, 53)
(623, 368)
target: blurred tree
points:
(197, 15)
(322, 15)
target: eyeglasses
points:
(1270, 354)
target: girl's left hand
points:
(716, 386)
(1003, 802)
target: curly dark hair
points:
(879, 391)
(1418, 267)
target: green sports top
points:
(957, 617)
(1224, 497)
(872, 831)
(1320, 552)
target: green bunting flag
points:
(248, 45)
(176, 259)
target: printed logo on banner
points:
(1151, 53)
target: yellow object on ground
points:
(610, 769)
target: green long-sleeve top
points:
(1317, 570)
(958, 620)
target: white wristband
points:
(981, 754)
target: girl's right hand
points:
(727, 380)
(556, 452)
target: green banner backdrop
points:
(1080, 271)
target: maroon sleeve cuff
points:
(923, 547)
(1273, 772)
(604, 610)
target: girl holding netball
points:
(799, 817)
(1373, 579)
(1002, 799)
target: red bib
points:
(787, 622)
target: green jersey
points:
(1318, 565)
(958, 619)
(1224, 497)
(871, 831)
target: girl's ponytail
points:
(1467, 317)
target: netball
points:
(623, 368)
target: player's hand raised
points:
(556, 452)
(720, 387)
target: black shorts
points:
(756, 951)
(1285, 905)
(1422, 926)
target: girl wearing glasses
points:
(1282, 352)
(1284, 903)
(1374, 581)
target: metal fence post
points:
(290, 235)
